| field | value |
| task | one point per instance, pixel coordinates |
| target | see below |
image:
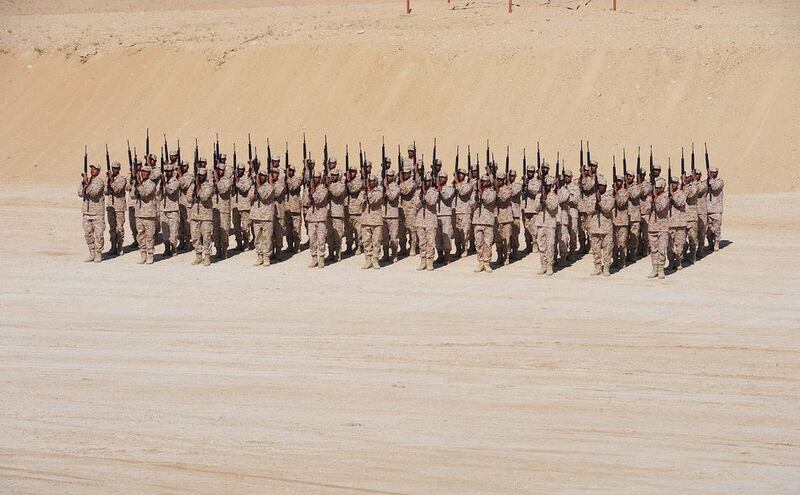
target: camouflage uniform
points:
(691, 219)
(293, 213)
(242, 207)
(116, 212)
(483, 219)
(465, 195)
(645, 207)
(201, 217)
(372, 226)
(132, 209)
(279, 225)
(574, 217)
(169, 213)
(391, 221)
(185, 183)
(545, 209)
(715, 198)
(677, 228)
(444, 215)
(146, 217)
(529, 214)
(564, 220)
(658, 230)
(316, 206)
(516, 211)
(262, 214)
(505, 221)
(702, 214)
(635, 216)
(355, 204)
(600, 229)
(426, 223)
(408, 228)
(585, 210)
(336, 227)
(621, 224)
(222, 212)
(93, 209)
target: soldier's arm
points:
(447, 193)
(679, 199)
(563, 196)
(717, 185)
(432, 197)
(320, 195)
(172, 186)
(662, 203)
(622, 198)
(224, 185)
(407, 186)
(489, 197)
(337, 189)
(392, 192)
(504, 194)
(606, 203)
(553, 201)
(206, 191)
(375, 196)
(147, 189)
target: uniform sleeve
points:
(407, 186)
(716, 185)
(504, 194)
(306, 200)
(280, 187)
(337, 189)
(375, 196)
(118, 185)
(489, 196)
(464, 188)
(516, 188)
(146, 189)
(563, 195)
(447, 193)
(224, 185)
(245, 185)
(691, 191)
(679, 199)
(320, 195)
(622, 198)
(647, 189)
(392, 192)
(206, 191)
(553, 200)
(96, 188)
(606, 203)
(172, 186)
(661, 203)
(431, 197)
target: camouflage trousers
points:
(353, 231)
(546, 240)
(185, 228)
(293, 232)
(116, 228)
(657, 243)
(146, 229)
(201, 231)
(263, 241)
(391, 232)
(676, 245)
(241, 228)
(583, 228)
(714, 229)
(601, 245)
(169, 227)
(702, 230)
(572, 228)
(132, 223)
(529, 220)
(503, 239)
(408, 232)
(427, 242)
(563, 237)
(462, 231)
(620, 243)
(371, 239)
(93, 228)
(444, 234)
(278, 231)
(644, 237)
(633, 239)
(484, 238)
(336, 232)
(515, 228)
(317, 233)
(691, 238)
(222, 227)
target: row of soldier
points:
(401, 214)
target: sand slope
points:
(722, 72)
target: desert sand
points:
(119, 378)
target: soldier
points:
(701, 188)
(505, 219)
(621, 221)
(201, 215)
(444, 215)
(336, 229)
(293, 210)
(223, 183)
(586, 205)
(144, 192)
(185, 183)
(155, 176)
(572, 216)
(532, 186)
(646, 205)
(690, 188)
(677, 225)
(658, 228)
(465, 194)
(391, 217)
(545, 209)
(316, 203)
(355, 205)
(483, 220)
(169, 211)
(242, 206)
(516, 210)
(115, 210)
(635, 216)
(563, 220)
(93, 208)
(133, 205)
(262, 214)
(426, 222)
(600, 228)
(372, 223)
(474, 180)
(408, 189)
(714, 205)
(279, 225)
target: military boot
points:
(149, 259)
(597, 270)
(464, 253)
(142, 258)
(487, 267)
(267, 261)
(413, 250)
(447, 259)
(367, 262)
(198, 259)
(206, 260)
(98, 257)
(313, 263)
(421, 264)
(429, 265)
(660, 272)
(654, 272)
(480, 267)
(606, 273)
(549, 269)
(90, 258)
(542, 270)
(259, 260)
(119, 247)
(375, 263)
(320, 262)
(716, 245)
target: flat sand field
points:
(166, 379)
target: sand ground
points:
(230, 379)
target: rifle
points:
(166, 148)
(399, 164)
(708, 173)
(580, 183)
(588, 156)
(488, 156)
(538, 158)
(596, 189)
(614, 178)
(360, 161)
(507, 159)
(179, 153)
(433, 163)
(108, 170)
(305, 149)
(325, 159)
(384, 165)
(638, 164)
(286, 168)
(624, 170)
(130, 160)
(558, 163)
(683, 168)
(163, 179)
(85, 170)
(525, 176)
(196, 154)
(269, 157)
(147, 144)
(652, 180)
(669, 184)
(693, 169)
(234, 176)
